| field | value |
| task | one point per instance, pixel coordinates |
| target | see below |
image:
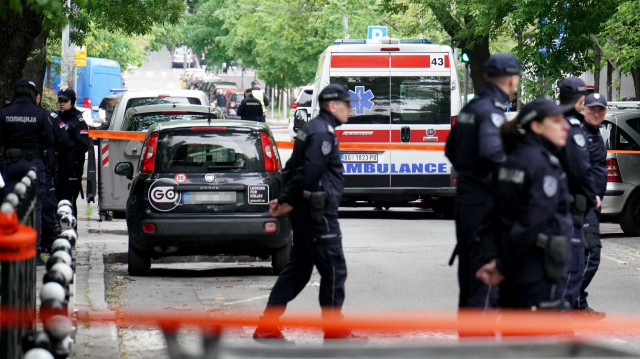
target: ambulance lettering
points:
(348, 168)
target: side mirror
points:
(300, 117)
(124, 169)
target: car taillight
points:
(149, 228)
(86, 103)
(270, 226)
(453, 120)
(232, 104)
(613, 172)
(270, 160)
(294, 105)
(149, 155)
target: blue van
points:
(100, 78)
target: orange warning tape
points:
(118, 135)
(18, 246)
(373, 147)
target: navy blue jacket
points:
(250, 109)
(61, 142)
(474, 147)
(25, 126)
(575, 158)
(532, 197)
(315, 165)
(72, 159)
(597, 159)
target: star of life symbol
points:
(364, 102)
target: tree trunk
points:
(609, 80)
(596, 70)
(635, 73)
(17, 36)
(36, 66)
(478, 55)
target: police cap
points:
(67, 94)
(538, 109)
(26, 83)
(572, 87)
(595, 99)
(255, 82)
(502, 65)
(336, 92)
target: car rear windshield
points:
(186, 151)
(145, 101)
(305, 98)
(142, 121)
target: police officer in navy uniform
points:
(250, 109)
(532, 214)
(71, 162)
(595, 109)
(50, 227)
(575, 158)
(474, 149)
(313, 185)
(25, 133)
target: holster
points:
(316, 202)
(555, 253)
(591, 237)
(578, 209)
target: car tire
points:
(138, 263)
(280, 258)
(630, 216)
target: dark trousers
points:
(473, 292)
(591, 258)
(13, 173)
(49, 207)
(68, 187)
(541, 294)
(313, 245)
(574, 268)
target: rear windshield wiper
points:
(222, 167)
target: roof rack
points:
(615, 105)
(384, 40)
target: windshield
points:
(142, 122)
(145, 101)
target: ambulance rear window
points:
(421, 100)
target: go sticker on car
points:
(163, 195)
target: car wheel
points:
(280, 258)
(139, 264)
(630, 216)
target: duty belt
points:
(16, 154)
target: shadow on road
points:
(408, 213)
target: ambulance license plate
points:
(209, 197)
(359, 157)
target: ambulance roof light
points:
(380, 41)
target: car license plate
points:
(209, 197)
(359, 157)
(258, 194)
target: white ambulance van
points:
(392, 148)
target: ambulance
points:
(392, 147)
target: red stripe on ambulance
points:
(355, 61)
(410, 61)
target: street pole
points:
(66, 59)
(466, 82)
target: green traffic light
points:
(465, 57)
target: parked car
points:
(180, 55)
(224, 92)
(303, 101)
(233, 101)
(621, 202)
(204, 188)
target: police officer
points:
(532, 210)
(71, 162)
(50, 228)
(474, 149)
(575, 158)
(259, 94)
(595, 109)
(250, 108)
(312, 191)
(25, 132)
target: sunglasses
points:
(63, 100)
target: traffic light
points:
(463, 57)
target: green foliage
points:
(116, 46)
(49, 100)
(620, 37)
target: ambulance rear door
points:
(421, 87)
(364, 139)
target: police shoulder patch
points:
(466, 118)
(579, 139)
(574, 121)
(553, 159)
(53, 114)
(550, 186)
(330, 129)
(497, 119)
(301, 135)
(500, 105)
(325, 147)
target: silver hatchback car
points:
(621, 133)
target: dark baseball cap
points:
(572, 87)
(336, 92)
(26, 83)
(255, 82)
(502, 65)
(67, 94)
(595, 99)
(538, 109)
